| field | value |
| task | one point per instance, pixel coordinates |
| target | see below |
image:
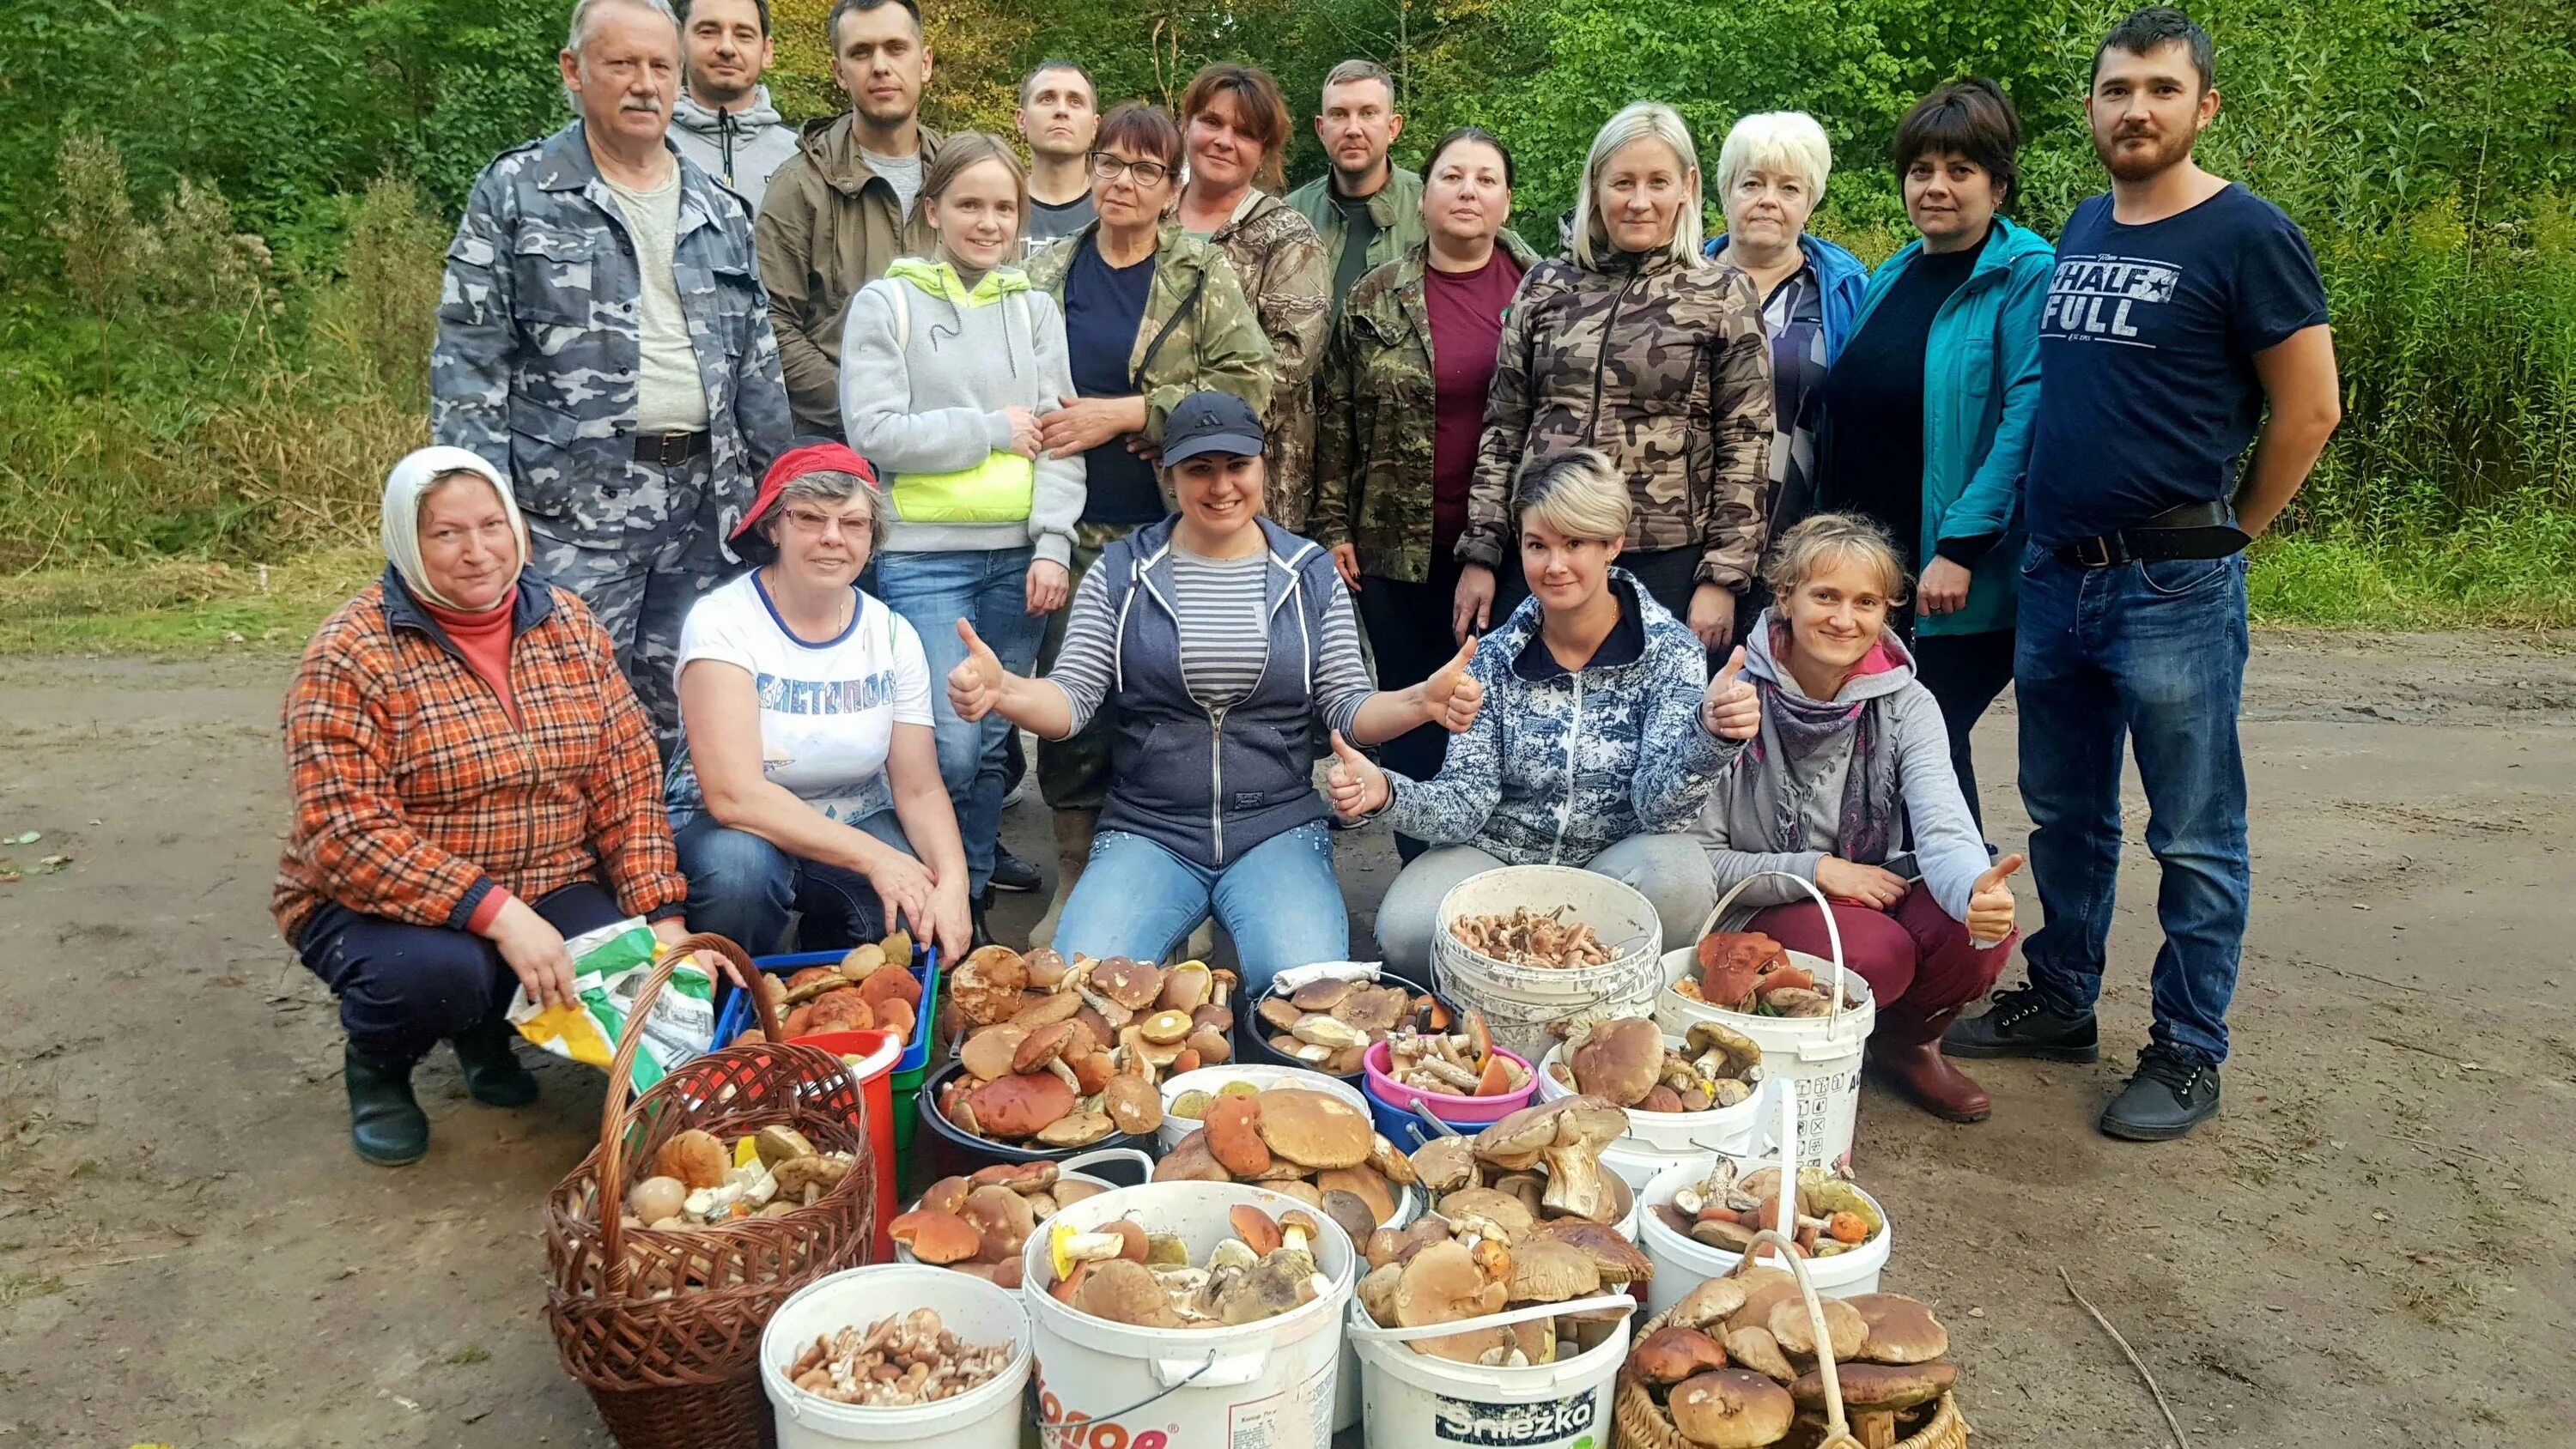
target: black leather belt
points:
(669, 449)
(2194, 530)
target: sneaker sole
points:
(1014, 887)
(2131, 1132)
(1980, 1052)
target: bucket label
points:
(1300, 1417)
(1557, 1421)
(1826, 1108)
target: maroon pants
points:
(1920, 964)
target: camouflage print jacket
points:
(1197, 333)
(537, 349)
(1376, 406)
(1280, 258)
(1662, 365)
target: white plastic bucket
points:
(986, 1416)
(1412, 1399)
(1683, 1262)
(1266, 1385)
(1268, 1079)
(1819, 1056)
(1657, 1140)
(1520, 1002)
(1071, 1170)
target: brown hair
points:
(1824, 539)
(965, 149)
(1971, 119)
(1257, 105)
(1144, 128)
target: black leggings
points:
(1964, 672)
(404, 988)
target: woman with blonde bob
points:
(1646, 352)
(1600, 738)
(1847, 783)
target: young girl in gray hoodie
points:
(947, 362)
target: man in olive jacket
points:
(841, 210)
(1368, 209)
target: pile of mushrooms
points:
(871, 989)
(1832, 1215)
(901, 1360)
(1736, 1362)
(697, 1182)
(1329, 1024)
(1125, 1274)
(1175, 1019)
(1626, 1061)
(978, 1224)
(1546, 1160)
(1313, 1146)
(1750, 973)
(1459, 1063)
(1532, 938)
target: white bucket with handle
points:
(1265, 1385)
(1683, 1262)
(1818, 1055)
(1410, 1398)
(1520, 1003)
(1657, 1140)
(986, 1416)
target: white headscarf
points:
(404, 487)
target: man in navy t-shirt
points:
(2182, 305)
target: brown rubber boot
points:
(1905, 1052)
(1073, 832)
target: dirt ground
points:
(2370, 1247)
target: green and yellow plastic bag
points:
(609, 969)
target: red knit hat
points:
(809, 455)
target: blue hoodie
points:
(1842, 279)
(1980, 401)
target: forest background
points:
(221, 225)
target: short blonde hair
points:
(1828, 539)
(1788, 141)
(1577, 494)
(1638, 121)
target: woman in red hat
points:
(808, 777)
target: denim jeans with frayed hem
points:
(1279, 901)
(2153, 653)
(987, 588)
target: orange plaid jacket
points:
(415, 794)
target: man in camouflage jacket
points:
(537, 366)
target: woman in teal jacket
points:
(1926, 414)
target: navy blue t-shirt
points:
(2147, 394)
(1103, 308)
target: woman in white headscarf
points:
(474, 782)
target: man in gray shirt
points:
(723, 120)
(1059, 117)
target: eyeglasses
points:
(1108, 167)
(806, 521)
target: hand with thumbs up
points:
(1732, 710)
(1356, 787)
(1451, 697)
(975, 685)
(1990, 905)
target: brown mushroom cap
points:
(1797, 1331)
(1516, 1141)
(1879, 1385)
(1038, 1011)
(1352, 1212)
(1499, 1208)
(1901, 1330)
(1618, 1261)
(1042, 1046)
(936, 1237)
(1709, 1303)
(1002, 1217)
(1547, 1271)
(1322, 995)
(1186, 987)
(1442, 1284)
(1255, 1227)
(1280, 1012)
(1044, 969)
(1445, 1164)
(1764, 1289)
(1023, 1178)
(1233, 1128)
(1133, 1104)
(1669, 1355)
(1191, 1161)
(947, 1195)
(1374, 1010)
(1732, 1409)
(1132, 984)
(1313, 1129)
(1016, 1107)
(1620, 1060)
(1125, 1292)
(1756, 1349)
(1363, 1183)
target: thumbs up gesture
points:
(975, 685)
(1451, 697)
(1356, 787)
(1731, 709)
(1990, 905)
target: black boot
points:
(385, 1122)
(2171, 1094)
(492, 1072)
(1010, 873)
(2019, 1025)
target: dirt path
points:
(2370, 1248)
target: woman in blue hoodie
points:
(1925, 421)
(947, 363)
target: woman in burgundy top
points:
(1402, 398)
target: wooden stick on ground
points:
(2181, 1440)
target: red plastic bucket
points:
(873, 1071)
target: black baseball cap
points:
(1211, 422)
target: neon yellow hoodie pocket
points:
(997, 490)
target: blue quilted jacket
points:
(1561, 766)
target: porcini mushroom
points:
(1756, 1349)
(1133, 1104)
(1191, 1161)
(1709, 1303)
(1620, 1060)
(1362, 1183)
(1015, 1107)
(936, 1237)
(1901, 1330)
(1313, 1130)
(1442, 1284)
(1796, 1329)
(1669, 1355)
(1567, 1136)
(1873, 1392)
(1730, 1408)
(1233, 1128)
(1547, 1271)
(1618, 1261)
(1471, 1207)
(1445, 1164)
(1125, 1292)
(1255, 1228)
(1131, 984)
(1353, 1214)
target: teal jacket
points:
(1980, 402)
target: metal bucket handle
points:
(1109, 1156)
(1833, 932)
(1070, 1433)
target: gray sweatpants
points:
(1671, 870)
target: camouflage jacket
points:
(537, 350)
(1396, 208)
(829, 226)
(1663, 366)
(1376, 405)
(1281, 261)
(1198, 331)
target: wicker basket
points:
(663, 1328)
(1643, 1424)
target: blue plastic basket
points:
(737, 1014)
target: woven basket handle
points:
(612, 1110)
(1837, 1428)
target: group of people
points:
(783, 479)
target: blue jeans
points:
(989, 589)
(2154, 652)
(1278, 900)
(742, 887)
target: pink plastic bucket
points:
(1389, 1096)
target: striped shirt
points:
(1225, 640)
